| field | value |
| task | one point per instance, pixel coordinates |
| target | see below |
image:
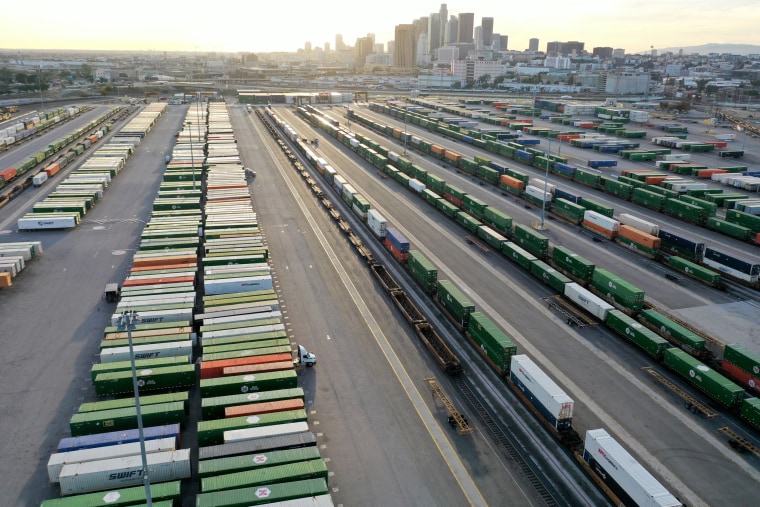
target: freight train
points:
(614, 301)
(652, 189)
(575, 208)
(11, 174)
(546, 399)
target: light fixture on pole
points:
(546, 183)
(129, 319)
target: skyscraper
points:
(443, 17)
(486, 25)
(434, 33)
(479, 38)
(339, 44)
(466, 26)
(452, 29)
(533, 45)
(504, 41)
(405, 47)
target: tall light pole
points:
(404, 133)
(129, 319)
(39, 81)
(546, 183)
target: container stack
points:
(13, 258)
(254, 438)
(103, 452)
(65, 207)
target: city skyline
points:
(253, 27)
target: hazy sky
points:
(271, 25)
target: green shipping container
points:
(302, 470)
(148, 379)
(492, 341)
(669, 329)
(684, 211)
(247, 497)
(246, 347)
(631, 330)
(751, 222)
(710, 208)
(500, 221)
(242, 338)
(532, 241)
(423, 270)
(613, 288)
(491, 237)
(598, 207)
(140, 364)
(572, 263)
(469, 223)
(517, 254)
(213, 408)
(648, 199)
(448, 209)
(743, 358)
(570, 210)
(695, 270)
(436, 184)
(727, 228)
(166, 493)
(618, 188)
(234, 464)
(182, 396)
(704, 378)
(212, 432)
(458, 306)
(103, 421)
(474, 205)
(588, 178)
(549, 276)
(430, 196)
(226, 386)
(750, 411)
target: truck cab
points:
(305, 358)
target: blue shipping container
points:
(602, 163)
(397, 239)
(526, 142)
(524, 155)
(683, 243)
(467, 139)
(117, 437)
(564, 169)
(732, 262)
(564, 194)
(498, 167)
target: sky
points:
(267, 26)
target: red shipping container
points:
(8, 174)
(453, 200)
(267, 407)
(213, 369)
(654, 180)
(706, 173)
(400, 256)
(168, 259)
(744, 378)
(257, 368)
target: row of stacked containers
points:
(255, 446)
(254, 438)
(13, 259)
(65, 207)
(100, 463)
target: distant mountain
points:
(734, 49)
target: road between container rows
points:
(579, 394)
(448, 453)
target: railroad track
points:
(505, 442)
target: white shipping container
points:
(9, 266)
(242, 284)
(586, 300)
(348, 191)
(416, 185)
(607, 223)
(268, 311)
(59, 459)
(354, 143)
(329, 170)
(638, 223)
(392, 155)
(224, 333)
(26, 252)
(312, 501)
(676, 157)
(539, 183)
(9, 140)
(39, 179)
(377, 223)
(265, 431)
(338, 182)
(29, 223)
(14, 260)
(159, 316)
(538, 193)
(618, 465)
(123, 472)
(551, 400)
(148, 351)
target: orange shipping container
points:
(512, 182)
(158, 281)
(5, 279)
(257, 368)
(213, 369)
(93, 138)
(267, 407)
(654, 180)
(397, 132)
(163, 260)
(642, 238)
(599, 229)
(452, 155)
(52, 169)
(437, 149)
(706, 173)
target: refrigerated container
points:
(548, 398)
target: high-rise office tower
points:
(503, 42)
(405, 47)
(533, 45)
(486, 25)
(466, 26)
(434, 33)
(307, 46)
(479, 38)
(339, 44)
(452, 28)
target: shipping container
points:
(213, 432)
(549, 275)
(423, 271)
(455, 303)
(104, 421)
(279, 438)
(588, 301)
(491, 341)
(227, 386)
(256, 461)
(669, 329)
(148, 379)
(532, 241)
(715, 385)
(632, 330)
(277, 474)
(573, 264)
(543, 393)
(164, 494)
(247, 497)
(616, 290)
(620, 471)
(91, 441)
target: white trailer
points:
(550, 400)
(588, 301)
(148, 351)
(61, 221)
(640, 224)
(264, 432)
(241, 284)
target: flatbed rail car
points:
(628, 298)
